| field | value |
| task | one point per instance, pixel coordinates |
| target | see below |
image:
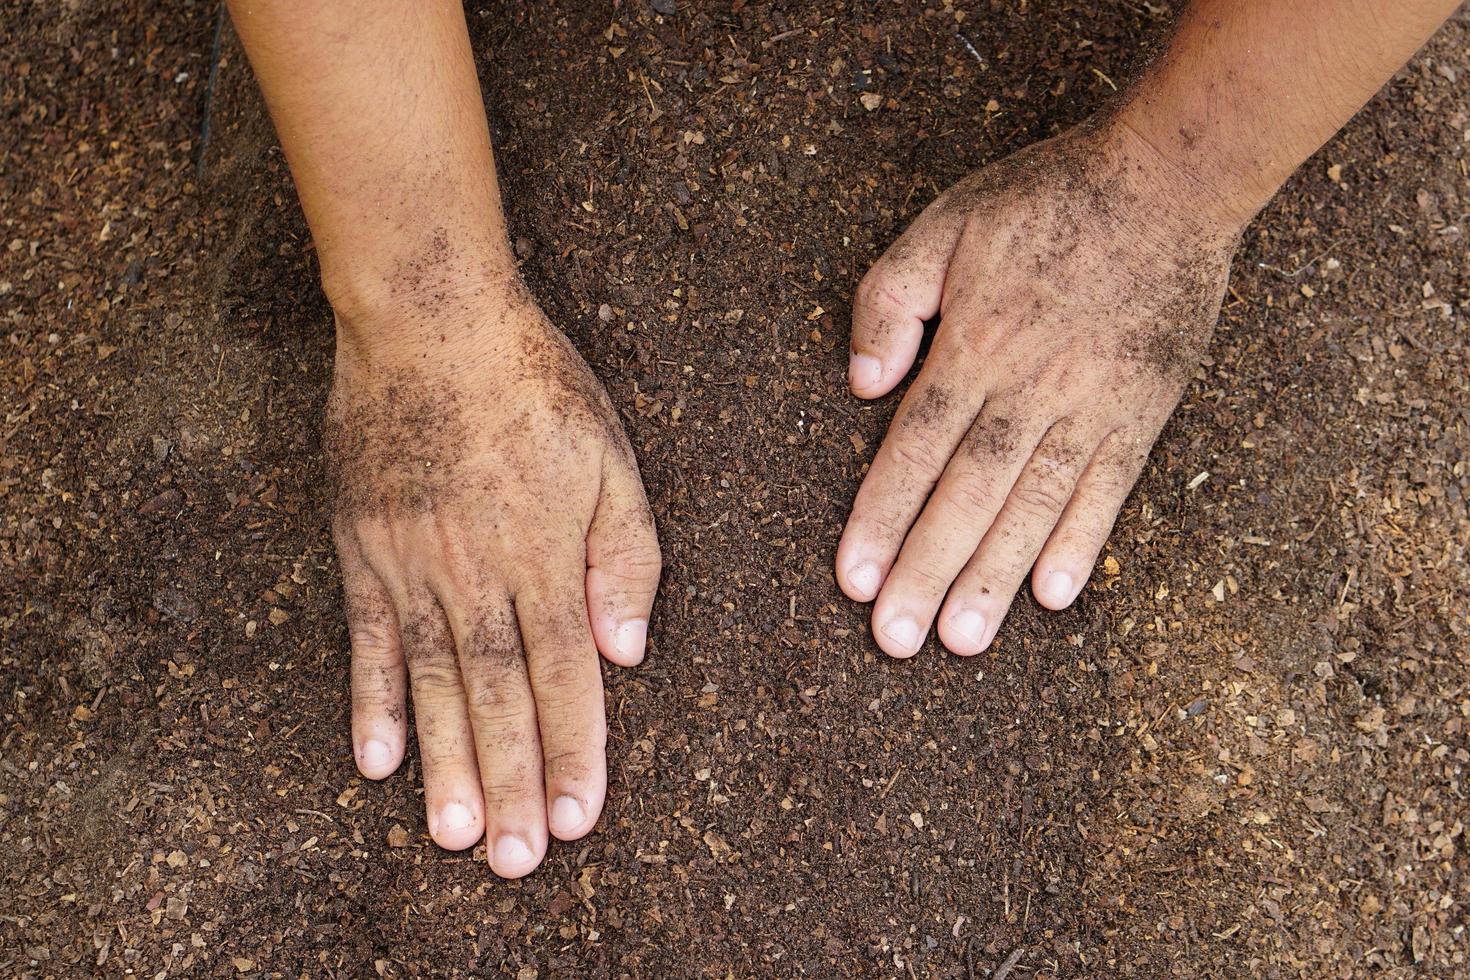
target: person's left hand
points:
(1078, 283)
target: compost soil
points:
(1242, 753)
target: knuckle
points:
(873, 290)
(930, 581)
(441, 762)
(445, 756)
(511, 787)
(495, 703)
(635, 560)
(373, 638)
(369, 615)
(1004, 572)
(976, 499)
(646, 555)
(374, 702)
(347, 529)
(540, 584)
(435, 677)
(563, 681)
(995, 570)
(361, 536)
(1083, 544)
(916, 454)
(877, 524)
(560, 700)
(451, 552)
(1039, 499)
(1125, 452)
(575, 763)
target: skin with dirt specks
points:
(478, 492)
(1073, 309)
(488, 513)
(1101, 846)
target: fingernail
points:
(567, 815)
(990, 636)
(631, 639)
(1058, 588)
(865, 579)
(863, 371)
(375, 755)
(904, 632)
(455, 816)
(970, 625)
(512, 854)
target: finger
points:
(984, 590)
(929, 424)
(955, 520)
(507, 743)
(623, 564)
(567, 685)
(900, 292)
(1067, 560)
(452, 795)
(379, 680)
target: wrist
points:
(451, 313)
(1173, 184)
(403, 272)
(436, 297)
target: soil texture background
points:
(1243, 753)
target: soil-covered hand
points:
(494, 538)
(1077, 287)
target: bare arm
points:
(1248, 89)
(379, 111)
(488, 513)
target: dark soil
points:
(1243, 754)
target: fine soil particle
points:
(1241, 754)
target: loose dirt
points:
(1242, 754)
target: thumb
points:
(900, 292)
(623, 563)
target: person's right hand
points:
(494, 538)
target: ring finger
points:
(984, 589)
(502, 714)
(452, 796)
(955, 519)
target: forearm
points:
(380, 115)
(1247, 90)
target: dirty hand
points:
(494, 538)
(1077, 285)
